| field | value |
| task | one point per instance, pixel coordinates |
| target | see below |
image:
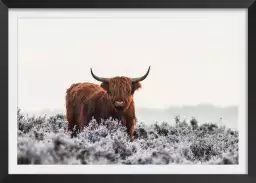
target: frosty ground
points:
(45, 140)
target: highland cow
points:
(112, 98)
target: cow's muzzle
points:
(119, 104)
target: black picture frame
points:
(250, 5)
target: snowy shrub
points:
(45, 140)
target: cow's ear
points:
(135, 86)
(105, 86)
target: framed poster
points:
(127, 88)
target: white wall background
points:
(195, 57)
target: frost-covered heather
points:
(44, 140)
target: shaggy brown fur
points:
(87, 100)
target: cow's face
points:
(120, 91)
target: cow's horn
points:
(141, 78)
(104, 80)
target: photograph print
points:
(101, 87)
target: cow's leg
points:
(70, 113)
(132, 129)
(70, 119)
(83, 116)
(130, 124)
(130, 120)
(73, 121)
(73, 127)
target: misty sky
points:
(195, 57)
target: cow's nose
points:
(119, 103)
